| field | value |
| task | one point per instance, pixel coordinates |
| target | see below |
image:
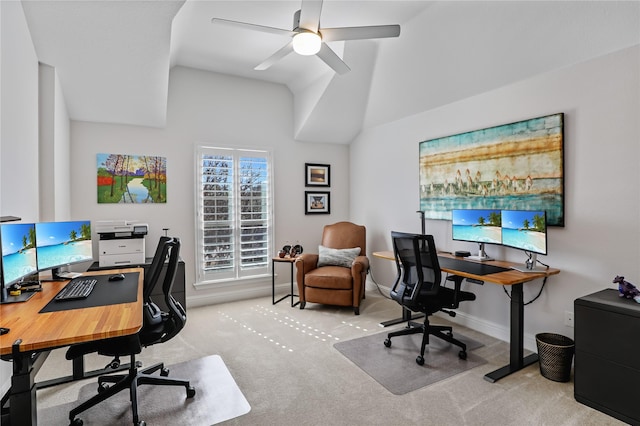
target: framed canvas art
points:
(131, 179)
(317, 174)
(516, 166)
(317, 202)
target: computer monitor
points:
(18, 252)
(526, 230)
(60, 244)
(480, 226)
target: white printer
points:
(121, 242)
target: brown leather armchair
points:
(330, 284)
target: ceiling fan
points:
(309, 39)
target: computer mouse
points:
(116, 277)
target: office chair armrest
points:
(457, 286)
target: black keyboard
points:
(78, 288)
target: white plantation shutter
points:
(234, 213)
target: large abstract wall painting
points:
(517, 166)
(137, 179)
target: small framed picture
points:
(317, 202)
(317, 174)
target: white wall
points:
(19, 130)
(19, 96)
(601, 239)
(54, 166)
(219, 110)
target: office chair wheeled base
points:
(129, 381)
(442, 331)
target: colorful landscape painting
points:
(516, 166)
(124, 178)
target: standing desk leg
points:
(22, 395)
(517, 360)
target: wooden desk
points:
(32, 335)
(514, 279)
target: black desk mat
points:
(104, 293)
(469, 267)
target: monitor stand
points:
(59, 274)
(530, 265)
(482, 256)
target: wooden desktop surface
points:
(42, 331)
(509, 277)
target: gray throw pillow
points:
(337, 257)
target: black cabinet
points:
(156, 295)
(607, 357)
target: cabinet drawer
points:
(608, 387)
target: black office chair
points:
(418, 288)
(158, 327)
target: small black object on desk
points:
(116, 277)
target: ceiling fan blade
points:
(253, 27)
(275, 57)
(359, 33)
(333, 60)
(310, 15)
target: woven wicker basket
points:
(556, 355)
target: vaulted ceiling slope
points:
(113, 57)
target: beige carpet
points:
(395, 367)
(217, 399)
(284, 361)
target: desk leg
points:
(517, 360)
(78, 373)
(22, 395)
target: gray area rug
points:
(396, 369)
(217, 399)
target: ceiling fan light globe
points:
(306, 43)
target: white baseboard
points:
(227, 293)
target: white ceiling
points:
(113, 57)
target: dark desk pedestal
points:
(607, 366)
(156, 295)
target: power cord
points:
(378, 285)
(544, 281)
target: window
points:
(234, 213)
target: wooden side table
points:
(290, 261)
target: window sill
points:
(230, 282)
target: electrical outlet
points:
(568, 318)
